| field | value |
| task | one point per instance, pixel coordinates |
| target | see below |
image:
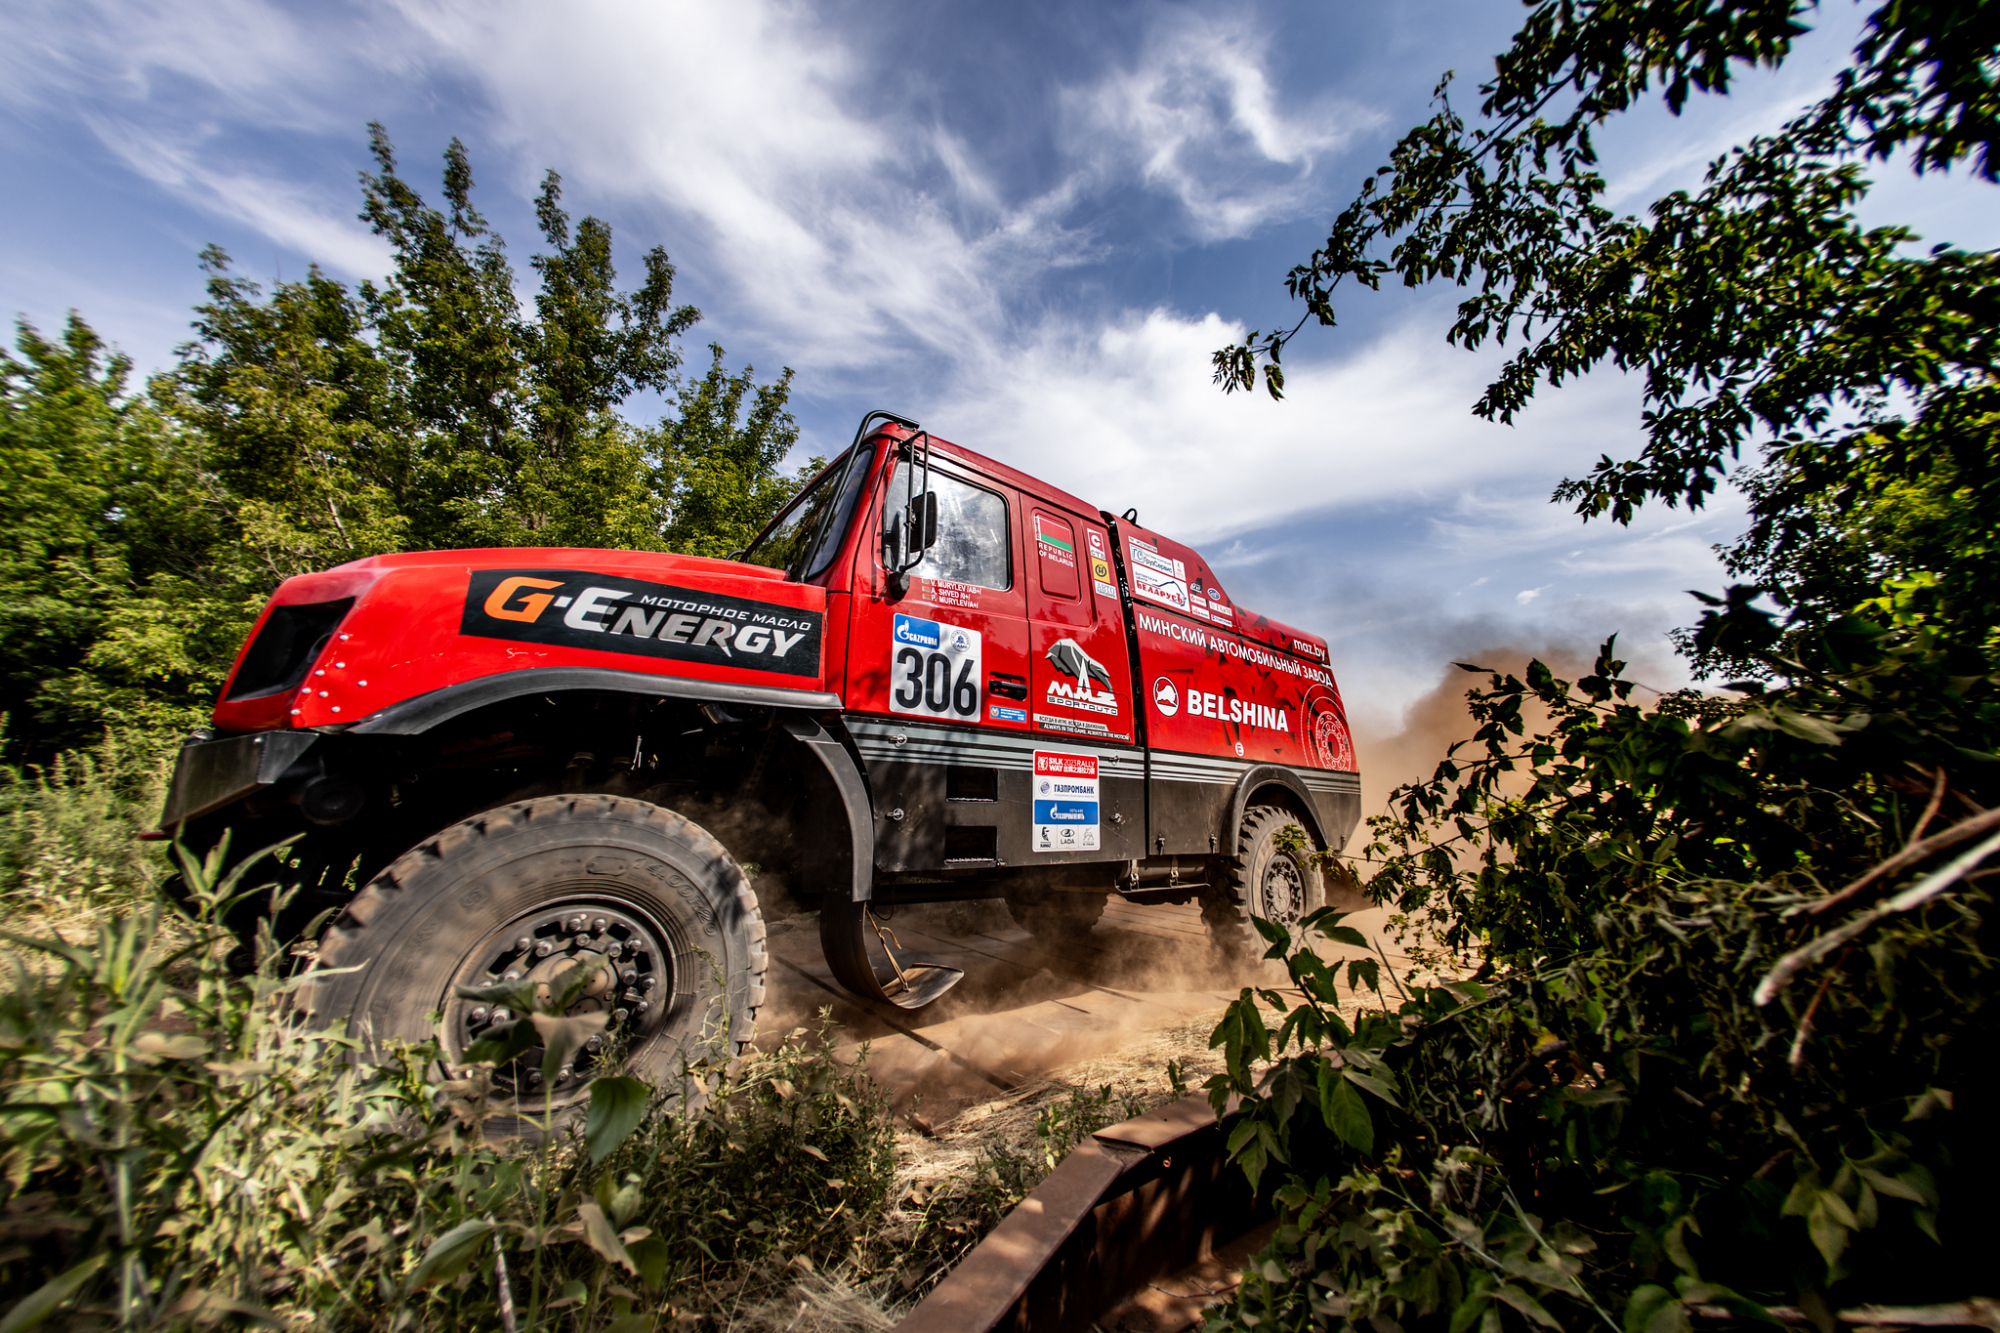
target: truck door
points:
(1082, 700)
(937, 678)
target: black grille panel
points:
(285, 648)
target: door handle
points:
(1003, 686)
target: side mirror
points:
(923, 521)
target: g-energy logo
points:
(568, 608)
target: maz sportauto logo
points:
(1068, 657)
(610, 613)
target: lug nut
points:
(510, 975)
(628, 975)
(543, 949)
(619, 1015)
(521, 945)
(479, 1015)
(642, 1006)
(594, 1044)
(563, 1074)
(613, 949)
(650, 982)
(502, 1015)
(597, 926)
(535, 1079)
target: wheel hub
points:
(633, 985)
(1283, 890)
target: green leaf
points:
(617, 1105)
(449, 1254)
(505, 1044)
(650, 1255)
(1653, 1309)
(1379, 1087)
(563, 1036)
(600, 1235)
(1347, 1116)
(46, 1299)
(1528, 1305)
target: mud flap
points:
(867, 959)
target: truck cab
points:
(931, 677)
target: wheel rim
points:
(1282, 890)
(543, 946)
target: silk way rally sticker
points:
(1065, 802)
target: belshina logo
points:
(1068, 657)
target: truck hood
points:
(334, 648)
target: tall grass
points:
(68, 830)
(177, 1150)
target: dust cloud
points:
(1429, 727)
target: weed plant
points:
(67, 844)
(177, 1150)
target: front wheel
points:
(530, 891)
(1272, 876)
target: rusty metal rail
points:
(1133, 1203)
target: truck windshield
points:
(806, 537)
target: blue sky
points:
(1026, 224)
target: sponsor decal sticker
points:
(570, 608)
(1243, 712)
(1002, 713)
(1158, 578)
(1166, 697)
(1100, 566)
(1079, 726)
(934, 669)
(1066, 804)
(1069, 659)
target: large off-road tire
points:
(575, 878)
(1261, 880)
(1058, 916)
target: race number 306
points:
(934, 669)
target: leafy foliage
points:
(315, 424)
(177, 1149)
(1722, 1039)
(1758, 310)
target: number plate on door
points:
(934, 669)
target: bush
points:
(1724, 1041)
(175, 1157)
(67, 830)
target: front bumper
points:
(211, 774)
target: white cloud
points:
(1196, 116)
(1124, 413)
(1526, 595)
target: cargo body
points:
(933, 677)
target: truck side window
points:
(972, 541)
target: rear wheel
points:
(1271, 876)
(532, 890)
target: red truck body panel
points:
(1070, 651)
(431, 619)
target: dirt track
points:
(1026, 1013)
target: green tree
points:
(1724, 1036)
(1759, 312)
(140, 533)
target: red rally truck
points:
(930, 678)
